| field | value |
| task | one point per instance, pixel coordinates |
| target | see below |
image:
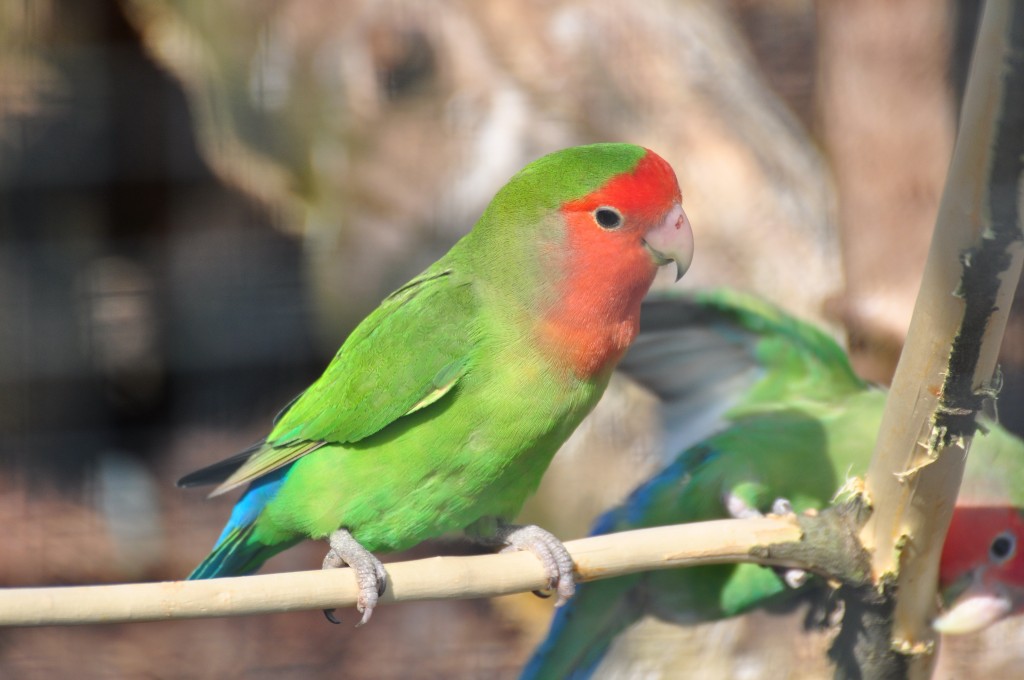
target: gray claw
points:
(370, 575)
(549, 550)
(737, 508)
(782, 506)
(795, 578)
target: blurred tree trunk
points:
(887, 124)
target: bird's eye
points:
(1003, 547)
(608, 218)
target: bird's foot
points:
(370, 575)
(782, 506)
(794, 578)
(549, 550)
(740, 509)
(737, 508)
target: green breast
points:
(479, 451)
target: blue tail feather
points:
(236, 552)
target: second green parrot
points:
(771, 417)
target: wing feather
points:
(409, 353)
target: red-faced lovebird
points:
(770, 416)
(443, 408)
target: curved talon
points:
(329, 613)
(542, 594)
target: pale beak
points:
(672, 241)
(976, 608)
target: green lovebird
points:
(771, 418)
(443, 408)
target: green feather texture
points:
(533, 197)
(438, 410)
(547, 183)
(792, 421)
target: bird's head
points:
(981, 573)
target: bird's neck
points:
(596, 315)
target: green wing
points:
(407, 354)
(712, 356)
(692, 342)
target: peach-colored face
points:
(618, 225)
(984, 536)
(616, 238)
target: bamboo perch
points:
(946, 369)
(435, 578)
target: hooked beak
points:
(672, 241)
(978, 607)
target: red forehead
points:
(646, 192)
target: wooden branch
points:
(427, 579)
(946, 369)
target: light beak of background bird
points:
(672, 241)
(978, 607)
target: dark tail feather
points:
(219, 471)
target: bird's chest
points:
(585, 347)
(526, 409)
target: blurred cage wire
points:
(198, 200)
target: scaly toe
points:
(369, 572)
(795, 578)
(566, 589)
(737, 508)
(782, 506)
(549, 550)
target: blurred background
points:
(199, 200)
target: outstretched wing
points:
(710, 355)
